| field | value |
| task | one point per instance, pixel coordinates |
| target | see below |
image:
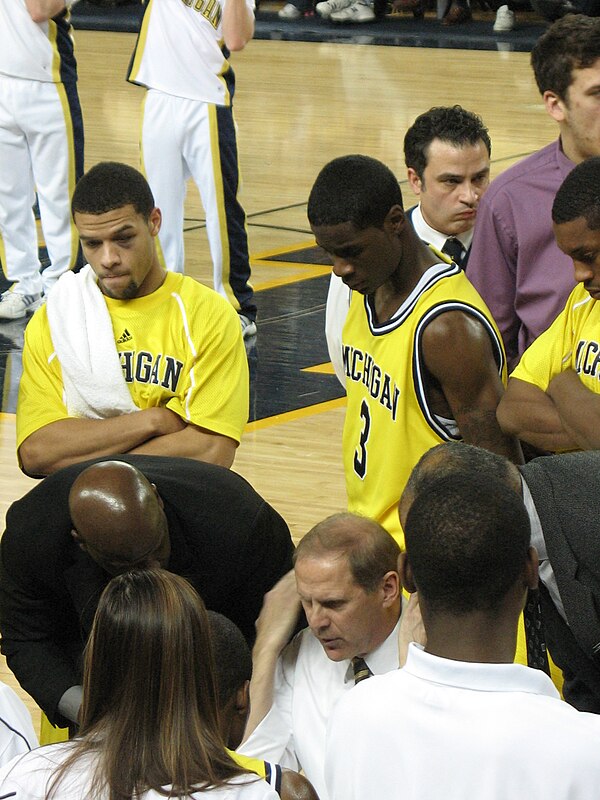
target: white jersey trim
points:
(446, 429)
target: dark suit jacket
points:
(566, 492)
(225, 539)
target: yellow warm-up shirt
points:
(179, 347)
(571, 342)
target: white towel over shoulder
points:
(84, 341)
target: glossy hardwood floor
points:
(299, 105)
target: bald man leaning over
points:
(67, 537)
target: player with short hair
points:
(552, 400)
(460, 719)
(422, 356)
(447, 152)
(126, 357)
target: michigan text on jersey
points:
(144, 367)
(361, 368)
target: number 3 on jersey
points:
(360, 454)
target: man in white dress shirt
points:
(346, 578)
(447, 154)
(461, 719)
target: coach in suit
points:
(447, 154)
(560, 493)
(565, 492)
(72, 532)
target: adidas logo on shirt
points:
(124, 337)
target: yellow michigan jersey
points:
(269, 772)
(571, 342)
(389, 423)
(179, 347)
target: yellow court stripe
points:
(279, 251)
(308, 272)
(321, 369)
(291, 416)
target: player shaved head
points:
(118, 517)
(456, 458)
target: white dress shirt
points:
(431, 236)
(455, 730)
(547, 575)
(307, 687)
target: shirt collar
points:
(379, 660)
(537, 534)
(431, 236)
(564, 163)
(476, 676)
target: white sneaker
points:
(248, 327)
(326, 8)
(15, 306)
(505, 20)
(289, 12)
(357, 12)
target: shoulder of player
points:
(452, 332)
(201, 298)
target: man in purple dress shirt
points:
(515, 263)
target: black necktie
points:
(453, 248)
(361, 669)
(537, 657)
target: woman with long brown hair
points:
(149, 724)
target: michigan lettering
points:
(361, 368)
(144, 367)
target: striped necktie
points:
(361, 669)
(537, 656)
(453, 248)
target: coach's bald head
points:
(118, 517)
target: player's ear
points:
(154, 221)
(406, 574)
(395, 219)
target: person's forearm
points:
(42, 10)
(238, 25)
(481, 428)
(69, 441)
(264, 663)
(578, 409)
(529, 413)
(191, 442)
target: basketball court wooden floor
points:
(298, 105)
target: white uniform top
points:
(16, 730)
(32, 50)
(27, 778)
(307, 686)
(180, 50)
(448, 729)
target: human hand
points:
(279, 614)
